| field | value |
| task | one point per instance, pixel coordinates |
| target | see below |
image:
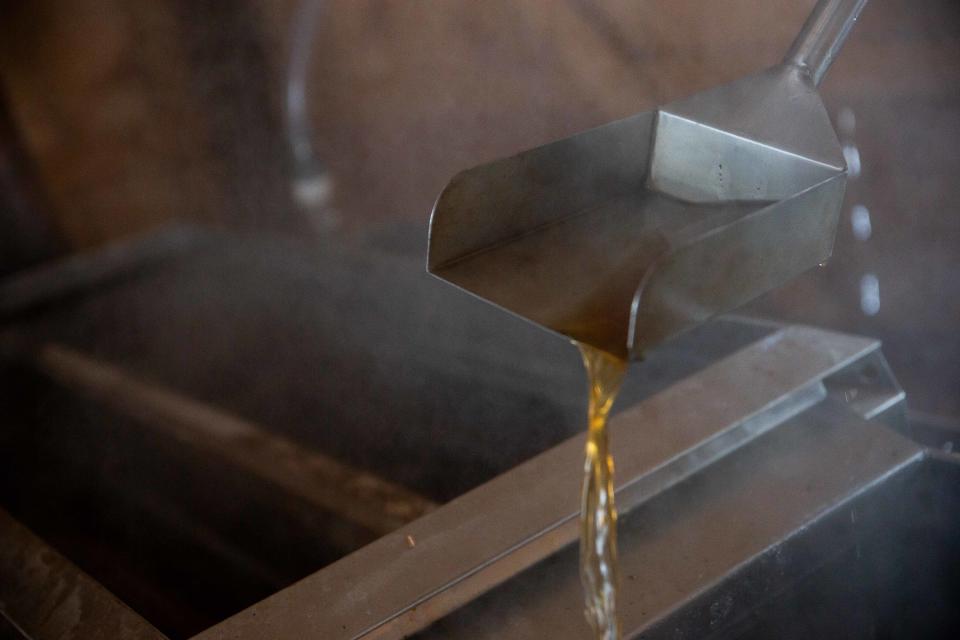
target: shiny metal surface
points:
(628, 234)
(823, 34)
(392, 588)
(699, 559)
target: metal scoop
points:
(628, 234)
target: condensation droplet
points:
(852, 156)
(860, 222)
(870, 294)
(847, 122)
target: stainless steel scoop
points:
(628, 234)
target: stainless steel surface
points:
(392, 588)
(703, 557)
(822, 36)
(45, 597)
(628, 234)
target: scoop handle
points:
(822, 35)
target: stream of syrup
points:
(598, 511)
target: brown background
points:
(137, 113)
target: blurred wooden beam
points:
(359, 497)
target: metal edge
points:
(45, 596)
(359, 596)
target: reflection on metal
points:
(818, 383)
(625, 235)
(700, 559)
(45, 597)
(869, 389)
